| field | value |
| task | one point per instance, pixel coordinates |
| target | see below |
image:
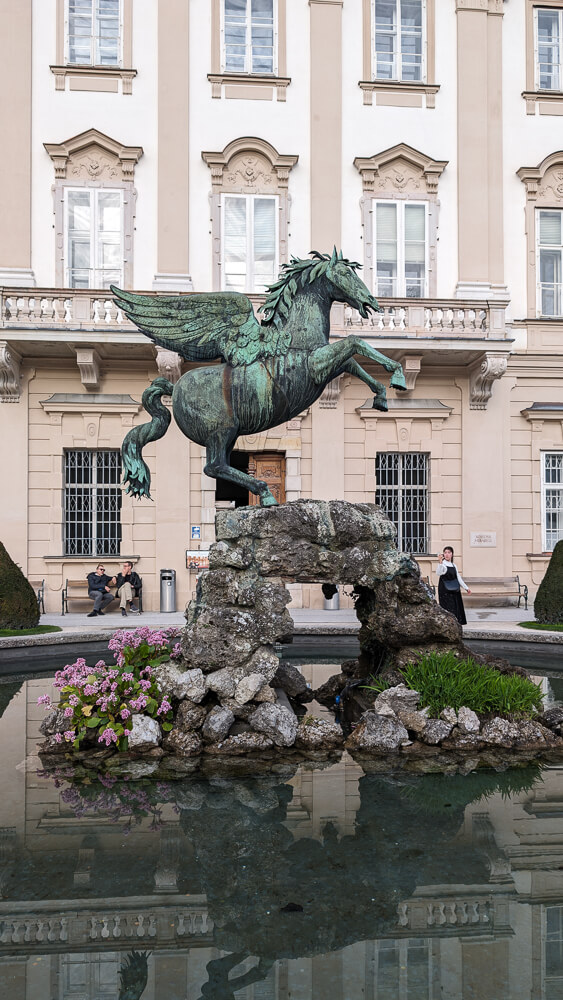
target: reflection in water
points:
(307, 883)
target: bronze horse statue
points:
(270, 371)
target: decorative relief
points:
(10, 373)
(544, 184)
(169, 364)
(248, 165)
(400, 168)
(95, 156)
(331, 394)
(483, 377)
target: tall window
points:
(249, 36)
(549, 252)
(249, 237)
(552, 496)
(94, 32)
(402, 493)
(92, 503)
(401, 249)
(398, 43)
(94, 237)
(548, 32)
(553, 952)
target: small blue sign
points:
(196, 532)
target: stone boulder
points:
(468, 721)
(249, 687)
(180, 684)
(377, 734)
(318, 734)
(413, 721)
(276, 722)
(54, 722)
(499, 732)
(217, 724)
(190, 716)
(435, 731)
(182, 743)
(240, 744)
(145, 733)
(398, 698)
(291, 680)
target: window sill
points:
(98, 78)
(543, 102)
(397, 93)
(89, 559)
(248, 86)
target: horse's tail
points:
(135, 471)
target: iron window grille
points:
(402, 493)
(92, 503)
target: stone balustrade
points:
(472, 914)
(91, 309)
(71, 926)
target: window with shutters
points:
(399, 42)
(401, 249)
(552, 499)
(402, 493)
(93, 32)
(549, 250)
(249, 36)
(92, 503)
(93, 237)
(249, 242)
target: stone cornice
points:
(219, 162)
(373, 167)
(62, 153)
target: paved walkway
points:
(492, 623)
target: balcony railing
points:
(94, 310)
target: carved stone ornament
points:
(544, 183)
(331, 394)
(88, 361)
(482, 378)
(248, 165)
(10, 373)
(411, 367)
(169, 364)
(93, 156)
(400, 169)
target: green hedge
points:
(548, 605)
(18, 600)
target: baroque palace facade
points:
(174, 146)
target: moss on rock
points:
(18, 600)
(548, 605)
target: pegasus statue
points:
(268, 371)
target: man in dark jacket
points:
(128, 586)
(98, 590)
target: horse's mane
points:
(297, 272)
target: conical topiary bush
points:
(18, 600)
(548, 605)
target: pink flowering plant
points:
(98, 702)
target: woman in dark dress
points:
(450, 584)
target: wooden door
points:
(270, 467)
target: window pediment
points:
(249, 166)
(400, 169)
(544, 183)
(93, 156)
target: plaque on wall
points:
(197, 560)
(483, 539)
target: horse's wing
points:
(204, 326)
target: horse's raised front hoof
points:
(397, 380)
(267, 500)
(380, 403)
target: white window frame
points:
(397, 65)
(544, 488)
(559, 12)
(93, 194)
(104, 545)
(250, 198)
(93, 38)
(401, 292)
(248, 46)
(553, 246)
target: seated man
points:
(98, 590)
(128, 584)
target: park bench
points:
(77, 590)
(499, 586)
(39, 588)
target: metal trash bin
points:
(167, 590)
(332, 603)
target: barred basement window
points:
(92, 503)
(402, 493)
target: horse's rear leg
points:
(217, 466)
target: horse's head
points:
(347, 286)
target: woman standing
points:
(450, 584)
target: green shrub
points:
(445, 681)
(548, 605)
(18, 600)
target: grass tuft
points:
(445, 681)
(553, 627)
(36, 630)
